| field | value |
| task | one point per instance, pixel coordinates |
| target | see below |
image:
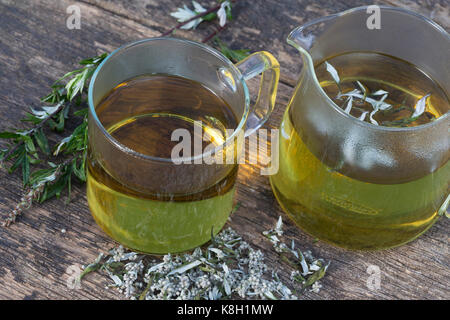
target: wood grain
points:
(36, 48)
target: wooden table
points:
(36, 48)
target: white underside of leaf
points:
(420, 106)
(333, 72)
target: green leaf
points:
(76, 84)
(81, 113)
(26, 145)
(67, 75)
(31, 118)
(58, 123)
(233, 55)
(30, 147)
(146, 290)
(75, 142)
(399, 123)
(55, 189)
(51, 164)
(19, 156)
(56, 95)
(69, 187)
(316, 276)
(236, 207)
(80, 172)
(210, 16)
(10, 135)
(65, 111)
(79, 100)
(34, 160)
(42, 141)
(238, 55)
(95, 60)
(25, 170)
(92, 267)
(42, 176)
(14, 153)
(228, 12)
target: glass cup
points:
(353, 183)
(152, 204)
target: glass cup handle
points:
(265, 63)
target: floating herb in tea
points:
(382, 90)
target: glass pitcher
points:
(356, 184)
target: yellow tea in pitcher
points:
(381, 89)
(350, 211)
(141, 114)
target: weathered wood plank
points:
(265, 25)
(36, 48)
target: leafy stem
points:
(233, 55)
(27, 146)
(44, 182)
(199, 15)
(187, 16)
(36, 131)
(214, 33)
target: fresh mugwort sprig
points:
(31, 146)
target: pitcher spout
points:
(301, 40)
(304, 37)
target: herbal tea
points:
(349, 211)
(382, 90)
(141, 114)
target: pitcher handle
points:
(265, 63)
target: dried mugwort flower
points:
(308, 270)
(228, 268)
